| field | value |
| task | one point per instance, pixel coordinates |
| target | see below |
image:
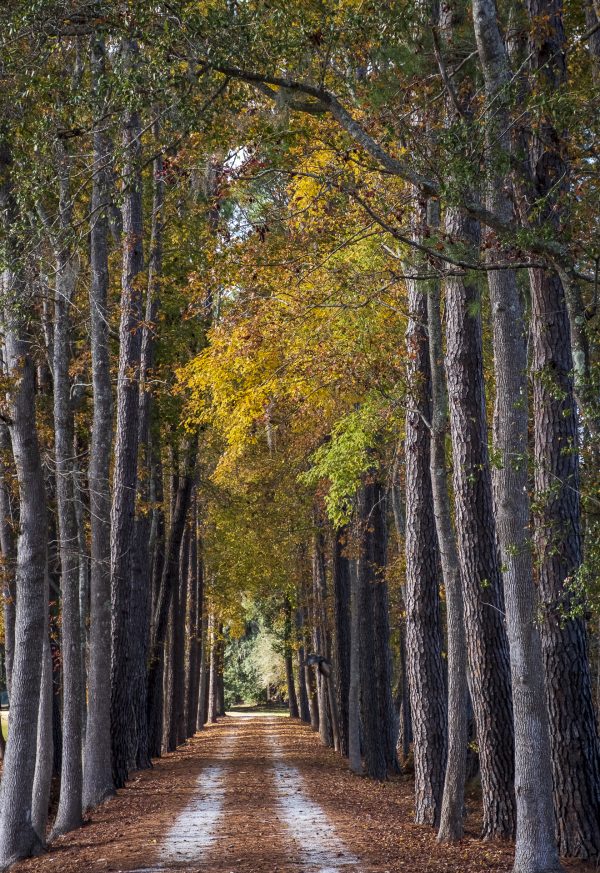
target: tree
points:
(97, 770)
(68, 816)
(487, 643)
(573, 728)
(18, 838)
(423, 624)
(126, 442)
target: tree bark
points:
(289, 662)
(169, 579)
(97, 769)
(167, 684)
(319, 635)
(220, 669)
(44, 760)
(304, 709)
(195, 626)
(535, 850)
(122, 715)
(83, 564)
(18, 838)
(354, 750)
(211, 715)
(202, 708)
(69, 812)
(487, 644)
(377, 560)
(452, 810)
(8, 546)
(573, 729)
(423, 625)
(373, 732)
(141, 569)
(342, 635)
(177, 714)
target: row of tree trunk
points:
(138, 669)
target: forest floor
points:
(259, 794)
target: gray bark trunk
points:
(211, 715)
(487, 644)
(304, 710)
(44, 761)
(381, 624)
(423, 625)
(177, 714)
(573, 730)
(83, 563)
(123, 725)
(18, 838)
(342, 635)
(69, 812)
(97, 769)
(140, 586)
(169, 579)
(8, 545)
(195, 624)
(374, 729)
(201, 714)
(535, 850)
(354, 752)
(289, 663)
(452, 811)
(319, 634)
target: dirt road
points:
(261, 795)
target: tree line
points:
(299, 310)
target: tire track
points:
(318, 847)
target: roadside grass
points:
(258, 709)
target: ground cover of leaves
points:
(375, 820)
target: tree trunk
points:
(195, 624)
(423, 626)
(83, 564)
(167, 684)
(377, 559)
(140, 588)
(169, 579)
(487, 644)
(157, 530)
(202, 707)
(535, 850)
(452, 810)
(69, 812)
(592, 21)
(342, 635)
(313, 704)
(97, 769)
(177, 732)
(319, 634)
(354, 751)
(373, 732)
(8, 546)
(304, 709)
(398, 501)
(220, 679)
(56, 704)
(18, 838)
(44, 761)
(122, 715)
(289, 663)
(211, 715)
(573, 730)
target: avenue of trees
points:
(299, 328)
